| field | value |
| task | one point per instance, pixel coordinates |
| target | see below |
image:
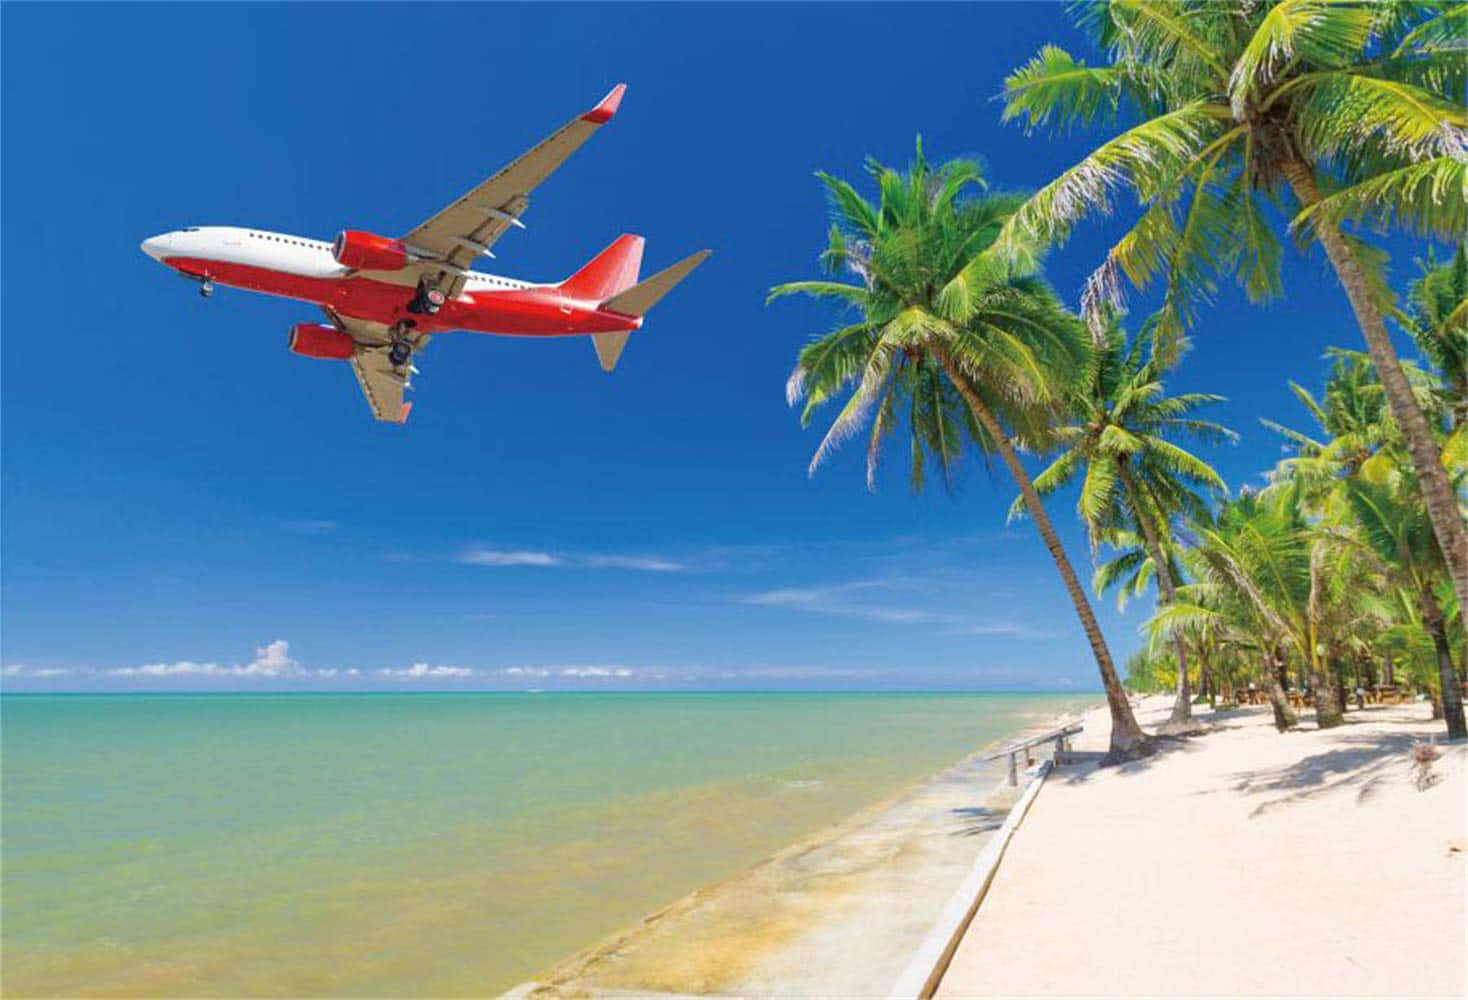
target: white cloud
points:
(497, 557)
(420, 671)
(22, 670)
(836, 601)
(647, 564)
(1015, 630)
(478, 555)
(683, 674)
(839, 600)
(271, 660)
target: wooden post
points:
(1013, 771)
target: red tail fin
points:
(613, 270)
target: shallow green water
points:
(413, 844)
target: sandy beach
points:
(1240, 862)
(1236, 862)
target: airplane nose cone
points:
(153, 247)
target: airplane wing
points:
(382, 382)
(470, 226)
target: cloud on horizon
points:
(271, 660)
(422, 670)
(22, 670)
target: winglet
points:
(403, 416)
(602, 113)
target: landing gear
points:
(206, 288)
(404, 343)
(426, 301)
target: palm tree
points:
(1437, 318)
(995, 379)
(1124, 439)
(1394, 525)
(1256, 571)
(1354, 107)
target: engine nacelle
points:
(368, 251)
(317, 340)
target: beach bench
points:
(1060, 737)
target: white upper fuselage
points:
(279, 252)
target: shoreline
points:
(880, 874)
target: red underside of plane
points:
(530, 312)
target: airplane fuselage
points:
(304, 269)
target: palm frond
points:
(1429, 198)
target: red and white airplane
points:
(385, 297)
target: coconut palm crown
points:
(1123, 441)
(993, 370)
(1221, 112)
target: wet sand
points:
(839, 914)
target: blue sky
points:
(186, 505)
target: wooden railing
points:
(1060, 737)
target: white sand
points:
(1239, 863)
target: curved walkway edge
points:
(923, 973)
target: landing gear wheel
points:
(426, 301)
(399, 353)
(206, 288)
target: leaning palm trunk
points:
(1432, 478)
(1127, 739)
(1182, 705)
(1452, 695)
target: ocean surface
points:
(428, 844)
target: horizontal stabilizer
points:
(609, 347)
(638, 299)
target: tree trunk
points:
(1284, 716)
(1452, 697)
(1322, 690)
(1182, 705)
(1127, 739)
(1432, 478)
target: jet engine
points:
(368, 251)
(317, 340)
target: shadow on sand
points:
(978, 819)
(1363, 761)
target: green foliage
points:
(1006, 331)
(1221, 103)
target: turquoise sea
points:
(424, 844)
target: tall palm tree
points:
(1353, 107)
(996, 379)
(1124, 439)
